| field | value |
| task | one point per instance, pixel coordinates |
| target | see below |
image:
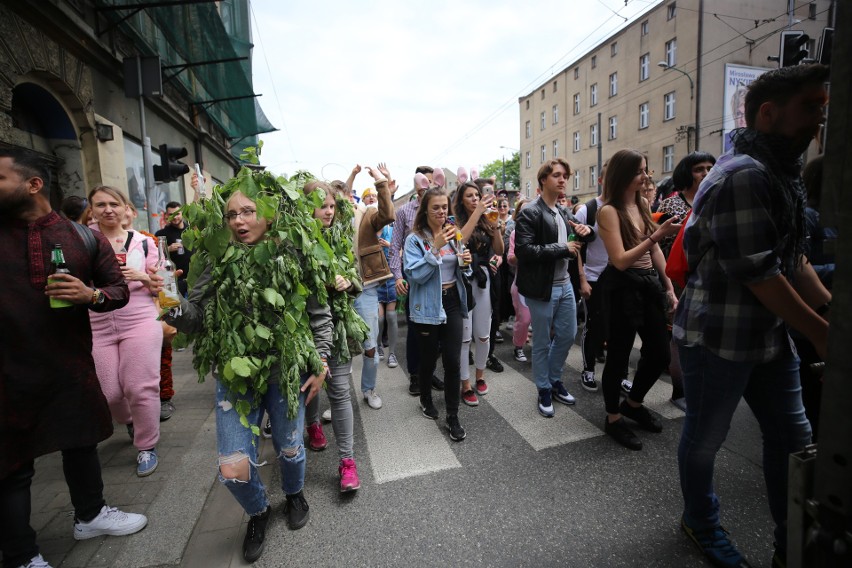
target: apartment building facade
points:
(662, 85)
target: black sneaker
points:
(255, 534)
(429, 411)
(414, 385)
(437, 384)
(494, 364)
(297, 511)
(498, 336)
(716, 546)
(457, 433)
(621, 433)
(642, 416)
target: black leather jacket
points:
(537, 249)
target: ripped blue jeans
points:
(236, 443)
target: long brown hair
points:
(421, 218)
(620, 172)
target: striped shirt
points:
(401, 227)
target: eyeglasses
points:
(245, 214)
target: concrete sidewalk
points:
(173, 497)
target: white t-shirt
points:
(596, 256)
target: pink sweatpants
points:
(126, 348)
(522, 319)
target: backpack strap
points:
(88, 239)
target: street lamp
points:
(504, 163)
(666, 67)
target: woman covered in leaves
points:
(259, 314)
(336, 214)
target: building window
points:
(543, 153)
(613, 84)
(812, 11)
(643, 28)
(593, 176)
(593, 135)
(529, 162)
(671, 52)
(668, 158)
(576, 72)
(529, 129)
(577, 180)
(643, 116)
(594, 61)
(529, 186)
(555, 114)
(613, 127)
(543, 119)
(542, 94)
(554, 86)
(528, 104)
(576, 141)
(644, 67)
(669, 104)
(613, 49)
(555, 149)
(671, 11)
(593, 95)
(576, 103)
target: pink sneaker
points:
(481, 387)
(316, 438)
(348, 475)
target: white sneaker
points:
(110, 521)
(373, 399)
(36, 562)
(392, 362)
(326, 416)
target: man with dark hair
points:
(543, 250)
(749, 281)
(50, 397)
(180, 255)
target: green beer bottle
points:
(58, 266)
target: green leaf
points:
(263, 332)
(271, 296)
(289, 322)
(217, 242)
(228, 371)
(241, 366)
(248, 331)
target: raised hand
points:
(383, 167)
(356, 170)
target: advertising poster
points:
(737, 79)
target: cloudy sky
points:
(389, 80)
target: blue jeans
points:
(367, 306)
(714, 387)
(235, 442)
(559, 317)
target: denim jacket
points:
(424, 280)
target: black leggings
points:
(651, 328)
(449, 336)
(82, 470)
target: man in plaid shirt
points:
(749, 281)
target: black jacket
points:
(537, 249)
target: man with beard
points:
(50, 397)
(748, 281)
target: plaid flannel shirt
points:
(401, 227)
(732, 240)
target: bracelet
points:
(823, 309)
(650, 238)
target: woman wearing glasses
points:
(237, 444)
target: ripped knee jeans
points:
(236, 444)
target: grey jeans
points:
(342, 421)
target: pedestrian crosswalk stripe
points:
(513, 396)
(400, 441)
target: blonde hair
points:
(109, 190)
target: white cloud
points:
(405, 82)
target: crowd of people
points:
(711, 299)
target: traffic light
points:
(794, 48)
(170, 169)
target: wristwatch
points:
(98, 297)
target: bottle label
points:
(55, 302)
